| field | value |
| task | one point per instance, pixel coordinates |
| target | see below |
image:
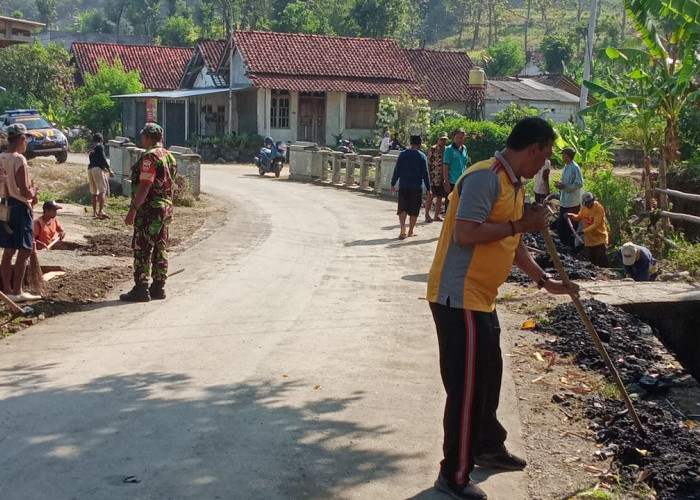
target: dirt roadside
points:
(99, 260)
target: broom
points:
(34, 274)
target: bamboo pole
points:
(591, 330)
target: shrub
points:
(79, 145)
(183, 196)
(615, 194)
(511, 115)
(483, 138)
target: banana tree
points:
(670, 32)
(628, 96)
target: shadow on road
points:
(161, 434)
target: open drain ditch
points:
(666, 397)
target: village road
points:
(295, 357)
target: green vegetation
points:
(483, 138)
(504, 58)
(94, 107)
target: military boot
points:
(137, 294)
(157, 290)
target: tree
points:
(297, 17)
(93, 21)
(95, 108)
(404, 115)
(178, 31)
(37, 74)
(380, 18)
(47, 12)
(504, 58)
(145, 15)
(557, 52)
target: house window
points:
(361, 110)
(279, 109)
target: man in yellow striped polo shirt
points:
(479, 242)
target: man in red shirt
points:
(48, 232)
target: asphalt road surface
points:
(295, 357)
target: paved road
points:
(294, 358)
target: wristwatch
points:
(543, 280)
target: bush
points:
(615, 194)
(78, 145)
(483, 138)
(182, 195)
(511, 115)
(504, 58)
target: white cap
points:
(629, 253)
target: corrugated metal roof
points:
(184, 94)
(526, 90)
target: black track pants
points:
(471, 367)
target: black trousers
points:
(566, 235)
(471, 367)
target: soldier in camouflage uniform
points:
(151, 210)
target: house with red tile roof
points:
(160, 67)
(309, 87)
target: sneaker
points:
(502, 459)
(26, 296)
(460, 491)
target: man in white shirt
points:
(542, 182)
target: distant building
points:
(306, 87)
(14, 31)
(552, 102)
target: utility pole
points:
(587, 60)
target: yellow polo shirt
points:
(468, 277)
(594, 226)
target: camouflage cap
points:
(16, 129)
(152, 130)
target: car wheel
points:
(62, 157)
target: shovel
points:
(591, 330)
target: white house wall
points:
(238, 70)
(286, 134)
(558, 112)
(203, 79)
(458, 106)
(335, 116)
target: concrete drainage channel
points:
(632, 320)
(678, 326)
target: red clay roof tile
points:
(160, 67)
(296, 54)
(444, 76)
(212, 50)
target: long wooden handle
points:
(13, 307)
(591, 330)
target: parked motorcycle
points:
(345, 146)
(271, 157)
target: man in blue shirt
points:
(412, 171)
(638, 262)
(455, 160)
(569, 196)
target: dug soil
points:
(99, 259)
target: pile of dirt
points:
(117, 244)
(575, 266)
(668, 458)
(628, 340)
